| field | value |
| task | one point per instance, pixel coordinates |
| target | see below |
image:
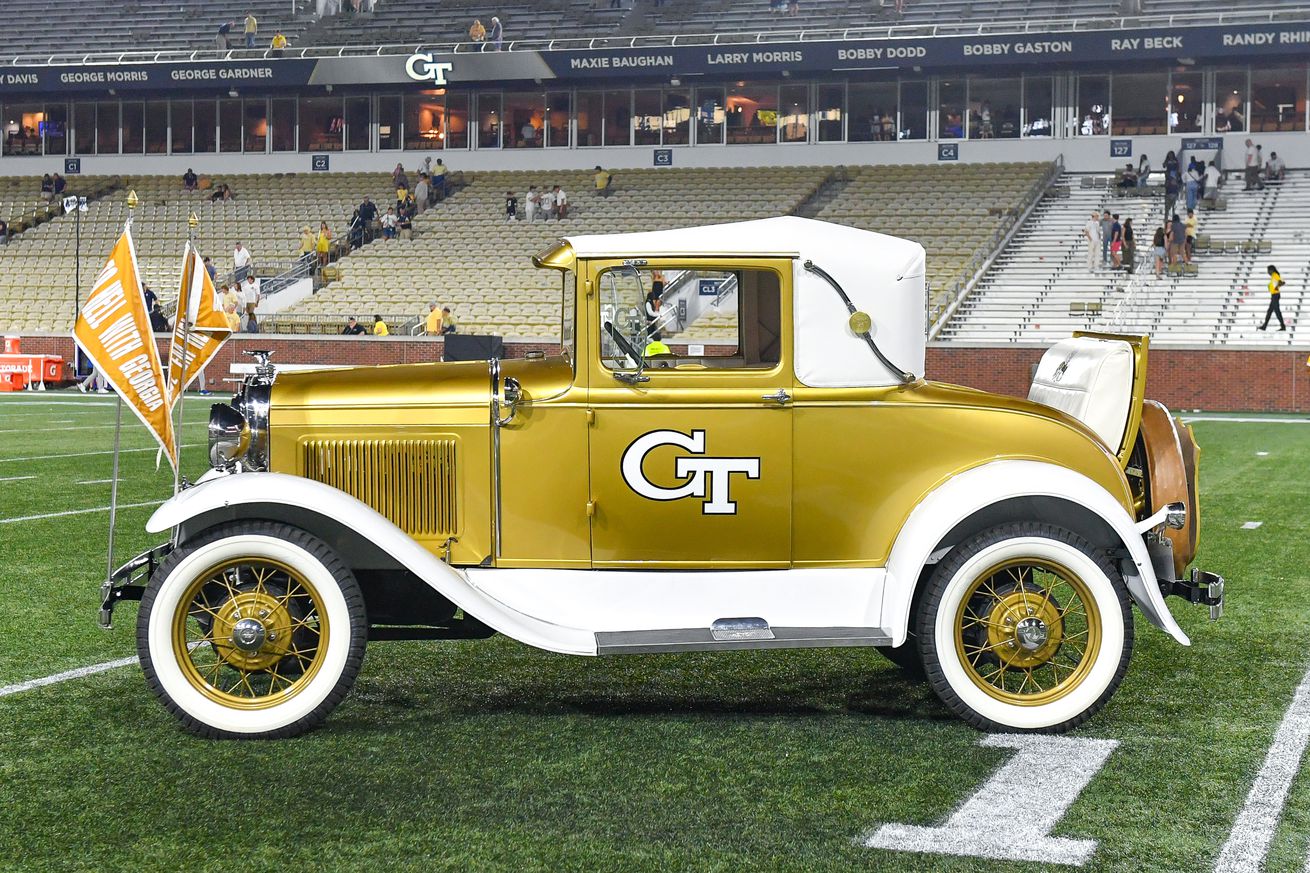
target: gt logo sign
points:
(705, 476)
(422, 68)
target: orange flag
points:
(113, 330)
(200, 328)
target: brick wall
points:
(1226, 379)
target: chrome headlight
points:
(229, 436)
(253, 405)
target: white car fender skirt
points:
(315, 498)
(973, 490)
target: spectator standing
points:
(249, 300)
(389, 224)
(189, 180)
(1116, 243)
(1212, 181)
(439, 180)
(47, 188)
(422, 191)
(222, 39)
(150, 297)
(1275, 289)
(233, 320)
(4, 232)
(511, 206)
(1107, 223)
(497, 34)
(1157, 246)
(1130, 246)
(533, 203)
(1252, 177)
(432, 324)
(356, 230)
(604, 180)
(448, 323)
(1171, 166)
(1177, 240)
(278, 44)
(353, 327)
(211, 269)
(1170, 194)
(561, 203)
(240, 262)
(1189, 239)
(158, 323)
(252, 29)
(306, 242)
(1143, 171)
(323, 245)
(477, 33)
(380, 327)
(405, 219)
(368, 213)
(1193, 185)
(59, 185)
(1092, 233)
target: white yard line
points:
(51, 401)
(98, 481)
(1191, 418)
(76, 512)
(65, 676)
(86, 454)
(15, 478)
(1248, 842)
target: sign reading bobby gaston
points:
(1245, 43)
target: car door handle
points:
(779, 397)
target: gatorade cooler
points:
(13, 344)
(12, 380)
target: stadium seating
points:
(37, 268)
(1038, 289)
(466, 254)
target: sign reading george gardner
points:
(113, 330)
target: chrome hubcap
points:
(248, 635)
(1031, 634)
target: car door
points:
(690, 444)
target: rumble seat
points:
(1090, 379)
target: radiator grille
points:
(411, 482)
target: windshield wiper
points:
(814, 268)
(622, 342)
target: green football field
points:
(490, 755)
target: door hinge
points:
(591, 509)
(591, 416)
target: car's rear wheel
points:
(252, 630)
(1025, 627)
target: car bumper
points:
(1204, 588)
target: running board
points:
(703, 640)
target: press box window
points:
(690, 319)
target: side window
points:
(690, 318)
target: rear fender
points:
(1004, 491)
(362, 536)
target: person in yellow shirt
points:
(477, 33)
(278, 44)
(252, 28)
(323, 245)
(231, 297)
(380, 327)
(656, 347)
(432, 326)
(306, 240)
(604, 179)
(233, 320)
(448, 323)
(1275, 287)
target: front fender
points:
(973, 491)
(305, 502)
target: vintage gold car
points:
(734, 449)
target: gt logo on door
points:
(710, 477)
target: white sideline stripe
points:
(15, 478)
(66, 675)
(98, 481)
(1253, 831)
(85, 454)
(1191, 418)
(77, 512)
(67, 401)
(110, 426)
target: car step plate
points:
(702, 639)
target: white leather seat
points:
(1090, 379)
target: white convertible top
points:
(882, 275)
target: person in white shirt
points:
(1252, 167)
(1275, 169)
(1212, 177)
(240, 262)
(561, 203)
(1092, 233)
(534, 202)
(249, 300)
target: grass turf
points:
(491, 755)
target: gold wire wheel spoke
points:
(250, 588)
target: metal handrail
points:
(1267, 15)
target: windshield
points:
(622, 321)
(568, 315)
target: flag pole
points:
(193, 221)
(113, 482)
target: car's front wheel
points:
(1025, 627)
(252, 630)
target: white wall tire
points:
(983, 609)
(314, 632)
